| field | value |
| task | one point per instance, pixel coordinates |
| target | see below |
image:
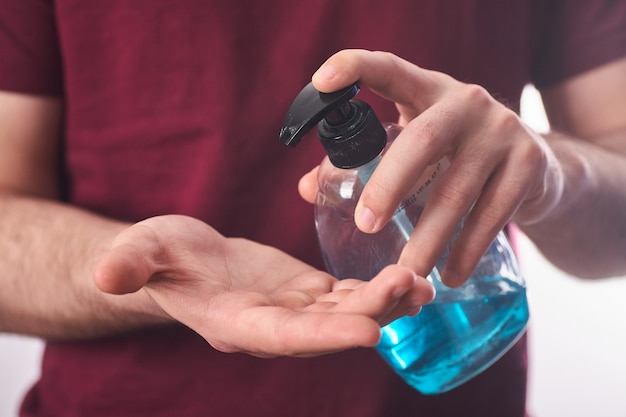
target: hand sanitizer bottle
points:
(464, 330)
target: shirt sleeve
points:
(574, 36)
(30, 59)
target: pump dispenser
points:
(464, 330)
(348, 129)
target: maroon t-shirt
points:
(175, 107)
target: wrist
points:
(547, 202)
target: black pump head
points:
(349, 130)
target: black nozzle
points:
(348, 129)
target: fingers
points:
(422, 143)
(450, 127)
(428, 137)
(499, 199)
(288, 333)
(396, 291)
(349, 316)
(388, 75)
(496, 164)
(420, 293)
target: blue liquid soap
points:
(461, 333)
(464, 330)
(434, 359)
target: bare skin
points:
(245, 297)
(564, 190)
(70, 274)
(101, 276)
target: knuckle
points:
(507, 122)
(534, 152)
(503, 119)
(533, 156)
(477, 95)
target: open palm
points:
(242, 296)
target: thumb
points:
(129, 265)
(307, 187)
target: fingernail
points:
(399, 293)
(326, 72)
(432, 295)
(366, 220)
(414, 311)
(451, 278)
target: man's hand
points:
(242, 296)
(499, 168)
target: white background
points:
(577, 336)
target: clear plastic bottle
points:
(464, 330)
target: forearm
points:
(585, 232)
(47, 254)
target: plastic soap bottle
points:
(465, 329)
